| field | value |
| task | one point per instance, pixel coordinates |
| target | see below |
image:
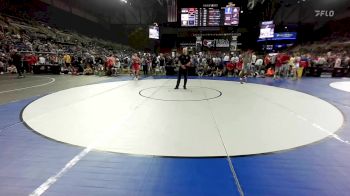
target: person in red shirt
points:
(230, 68)
(136, 65)
(239, 66)
(109, 65)
(26, 62)
(285, 64)
(304, 63)
(278, 65)
(33, 61)
(267, 61)
(281, 63)
(270, 72)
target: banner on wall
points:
(233, 46)
(199, 43)
(281, 36)
(209, 43)
(222, 43)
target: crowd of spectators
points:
(284, 64)
(39, 44)
(32, 44)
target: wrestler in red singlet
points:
(136, 65)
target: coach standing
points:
(17, 61)
(185, 62)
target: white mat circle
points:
(247, 119)
(343, 86)
(168, 93)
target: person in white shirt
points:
(214, 60)
(258, 66)
(42, 60)
(204, 64)
(292, 64)
(226, 58)
(235, 59)
(259, 62)
(321, 61)
(252, 63)
(93, 59)
(297, 62)
(117, 61)
(337, 62)
(12, 69)
(329, 54)
(253, 58)
(273, 59)
(116, 66)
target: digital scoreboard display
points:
(210, 16)
(154, 32)
(267, 30)
(231, 16)
(189, 17)
(214, 17)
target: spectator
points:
(2, 67)
(337, 63)
(144, 64)
(259, 67)
(17, 62)
(162, 63)
(42, 60)
(67, 60)
(12, 69)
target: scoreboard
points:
(231, 16)
(210, 16)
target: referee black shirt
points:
(184, 59)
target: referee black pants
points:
(182, 72)
(19, 70)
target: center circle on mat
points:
(168, 93)
(247, 119)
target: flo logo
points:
(324, 13)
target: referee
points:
(185, 61)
